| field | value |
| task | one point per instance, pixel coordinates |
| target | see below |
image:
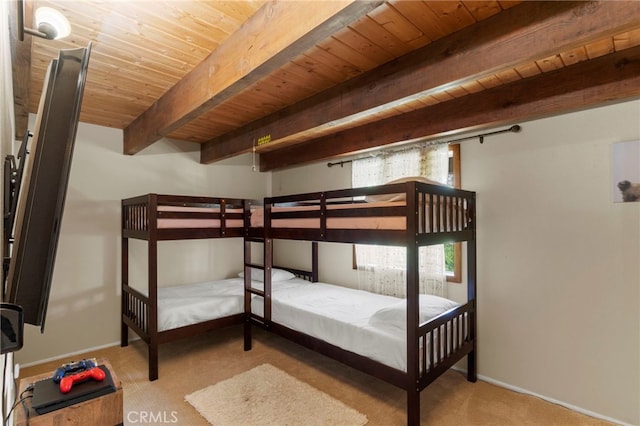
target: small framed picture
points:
(625, 171)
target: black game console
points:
(47, 396)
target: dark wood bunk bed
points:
(430, 214)
(155, 218)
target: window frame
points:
(456, 277)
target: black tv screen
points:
(44, 186)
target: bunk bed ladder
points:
(250, 290)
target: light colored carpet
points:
(266, 395)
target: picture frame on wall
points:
(625, 171)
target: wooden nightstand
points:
(101, 411)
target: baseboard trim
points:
(70, 355)
(547, 399)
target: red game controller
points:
(67, 382)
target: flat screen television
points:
(42, 193)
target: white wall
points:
(558, 262)
(84, 308)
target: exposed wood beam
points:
(278, 32)
(527, 32)
(608, 79)
(21, 67)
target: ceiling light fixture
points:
(50, 23)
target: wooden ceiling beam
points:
(605, 80)
(524, 33)
(278, 32)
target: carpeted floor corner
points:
(266, 395)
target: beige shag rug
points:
(266, 395)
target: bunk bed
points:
(410, 214)
(161, 315)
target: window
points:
(383, 268)
(453, 251)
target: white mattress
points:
(337, 315)
(195, 303)
(334, 314)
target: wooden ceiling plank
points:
(508, 76)
(379, 36)
(109, 65)
(252, 53)
(239, 10)
(422, 17)
(627, 39)
(352, 38)
(472, 87)
(574, 56)
(442, 96)
(458, 92)
(396, 23)
(489, 81)
(451, 14)
(165, 25)
(343, 69)
(520, 35)
(528, 70)
(116, 54)
(114, 23)
(337, 48)
(482, 9)
(600, 48)
(608, 79)
(209, 18)
(550, 63)
(286, 77)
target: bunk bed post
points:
(153, 289)
(314, 262)
(124, 281)
(268, 265)
(412, 295)
(247, 294)
(472, 362)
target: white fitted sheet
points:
(337, 315)
(189, 304)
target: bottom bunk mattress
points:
(189, 304)
(369, 324)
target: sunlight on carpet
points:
(266, 395)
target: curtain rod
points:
(515, 129)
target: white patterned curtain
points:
(382, 269)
